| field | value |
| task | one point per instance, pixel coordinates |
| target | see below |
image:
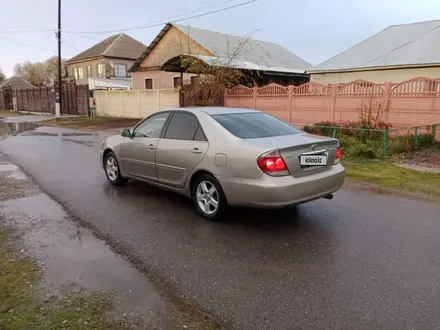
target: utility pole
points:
(58, 93)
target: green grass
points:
(387, 175)
(5, 113)
(22, 308)
(90, 122)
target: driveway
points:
(359, 261)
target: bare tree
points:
(33, 73)
(43, 73)
(52, 68)
(214, 76)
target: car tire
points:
(112, 170)
(208, 197)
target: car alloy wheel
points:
(112, 170)
(208, 197)
(111, 166)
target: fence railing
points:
(383, 142)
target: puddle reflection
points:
(17, 128)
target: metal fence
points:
(380, 142)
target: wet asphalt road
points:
(360, 261)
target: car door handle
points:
(196, 151)
(151, 147)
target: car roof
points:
(217, 110)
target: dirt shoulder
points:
(91, 123)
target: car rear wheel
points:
(112, 170)
(208, 197)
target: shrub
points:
(353, 147)
(369, 144)
(325, 131)
(407, 143)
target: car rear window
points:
(254, 125)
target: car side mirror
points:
(126, 132)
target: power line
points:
(28, 45)
(64, 41)
(149, 25)
(164, 22)
(170, 18)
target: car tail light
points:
(272, 164)
(337, 155)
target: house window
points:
(80, 73)
(120, 70)
(195, 80)
(148, 83)
(177, 82)
(89, 71)
(101, 70)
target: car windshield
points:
(254, 125)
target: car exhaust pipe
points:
(328, 196)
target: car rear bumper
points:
(277, 192)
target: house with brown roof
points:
(108, 59)
(158, 66)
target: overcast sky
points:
(312, 29)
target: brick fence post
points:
(254, 91)
(290, 107)
(333, 102)
(386, 98)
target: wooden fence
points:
(75, 99)
(135, 103)
(414, 102)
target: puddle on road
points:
(17, 128)
(28, 129)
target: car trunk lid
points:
(292, 147)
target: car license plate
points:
(313, 160)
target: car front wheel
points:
(112, 170)
(208, 197)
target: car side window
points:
(200, 135)
(182, 126)
(152, 126)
